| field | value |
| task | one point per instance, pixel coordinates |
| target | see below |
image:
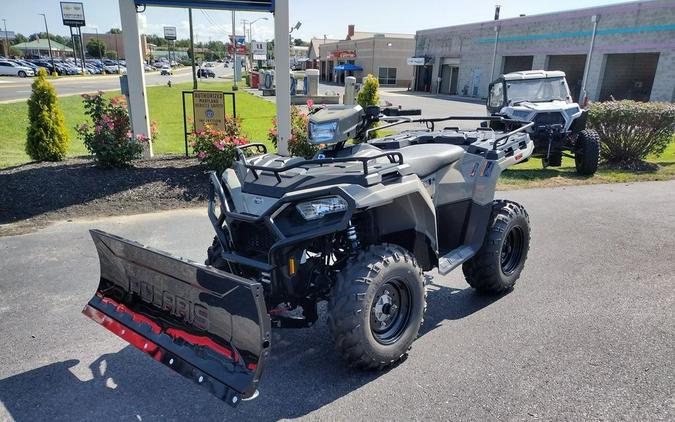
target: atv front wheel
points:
(498, 263)
(377, 306)
(587, 152)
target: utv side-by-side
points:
(356, 226)
(559, 129)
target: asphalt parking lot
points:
(587, 334)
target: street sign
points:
(250, 5)
(415, 61)
(170, 33)
(259, 50)
(209, 110)
(72, 13)
(7, 34)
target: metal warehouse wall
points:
(636, 27)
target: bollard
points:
(312, 84)
(350, 91)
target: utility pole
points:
(192, 52)
(49, 42)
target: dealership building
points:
(361, 53)
(622, 51)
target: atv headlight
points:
(317, 208)
(322, 133)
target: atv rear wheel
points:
(587, 152)
(498, 263)
(377, 306)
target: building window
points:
(387, 76)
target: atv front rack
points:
(394, 158)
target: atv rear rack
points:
(394, 158)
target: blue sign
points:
(247, 5)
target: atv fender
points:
(208, 325)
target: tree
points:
(95, 48)
(46, 136)
(368, 94)
(111, 54)
(115, 31)
(19, 38)
(299, 42)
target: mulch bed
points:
(32, 195)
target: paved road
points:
(588, 333)
(12, 89)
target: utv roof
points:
(533, 74)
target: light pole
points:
(49, 42)
(4, 21)
(250, 27)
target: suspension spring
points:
(353, 237)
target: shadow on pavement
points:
(302, 375)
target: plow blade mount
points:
(208, 325)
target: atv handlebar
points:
(430, 121)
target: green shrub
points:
(298, 145)
(46, 136)
(217, 148)
(368, 94)
(109, 138)
(630, 130)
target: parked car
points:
(166, 70)
(8, 68)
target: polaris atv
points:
(356, 225)
(543, 97)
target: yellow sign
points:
(209, 109)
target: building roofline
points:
(565, 14)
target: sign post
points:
(170, 35)
(72, 14)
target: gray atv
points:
(356, 226)
(559, 129)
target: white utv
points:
(559, 129)
(356, 226)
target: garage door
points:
(629, 76)
(573, 66)
(517, 63)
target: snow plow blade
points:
(208, 325)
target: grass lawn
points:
(531, 174)
(165, 106)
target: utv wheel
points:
(376, 307)
(587, 152)
(498, 263)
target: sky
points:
(318, 17)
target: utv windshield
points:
(536, 90)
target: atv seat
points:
(425, 159)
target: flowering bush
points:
(298, 146)
(109, 137)
(217, 148)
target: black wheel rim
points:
(512, 250)
(390, 311)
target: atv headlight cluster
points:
(322, 133)
(317, 208)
